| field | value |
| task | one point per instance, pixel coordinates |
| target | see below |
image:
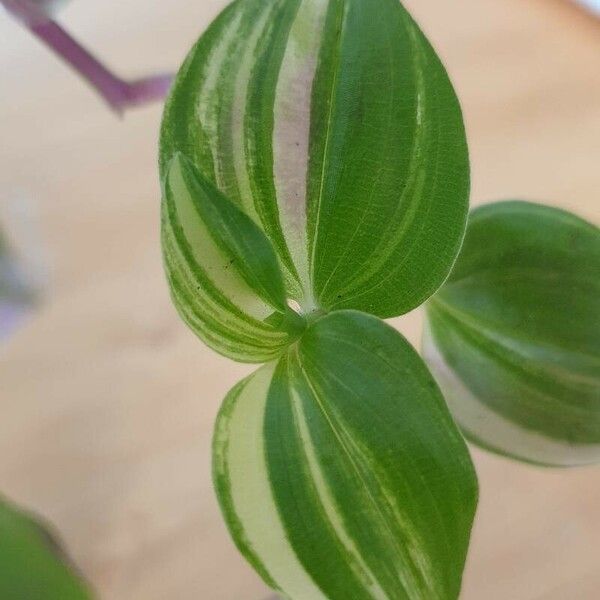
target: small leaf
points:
(514, 335)
(340, 472)
(236, 235)
(32, 565)
(223, 272)
(334, 126)
(50, 7)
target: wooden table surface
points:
(108, 401)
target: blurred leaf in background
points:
(17, 295)
(23, 261)
(513, 336)
(33, 566)
(50, 6)
(593, 5)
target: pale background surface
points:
(108, 401)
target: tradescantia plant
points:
(315, 180)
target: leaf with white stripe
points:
(223, 273)
(513, 337)
(334, 126)
(340, 472)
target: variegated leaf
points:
(223, 273)
(333, 125)
(32, 565)
(340, 472)
(513, 337)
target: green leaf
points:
(224, 276)
(234, 232)
(340, 472)
(514, 335)
(333, 125)
(32, 565)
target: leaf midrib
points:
(342, 444)
(332, 96)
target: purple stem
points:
(118, 93)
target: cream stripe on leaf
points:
(244, 489)
(224, 275)
(340, 472)
(220, 112)
(513, 336)
(333, 125)
(291, 135)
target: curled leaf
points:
(514, 335)
(224, 276)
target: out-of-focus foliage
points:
(32, 564)
(514, 334)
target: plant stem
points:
(119, 94)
